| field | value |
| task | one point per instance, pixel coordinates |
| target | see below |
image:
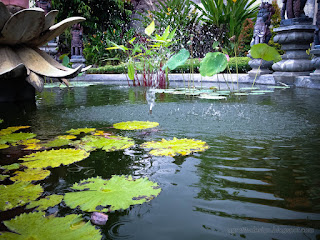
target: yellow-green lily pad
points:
(10, 130)
(70, 137)
(175, 147)
(53, 158)
(15, 137)
(119, 192)
(44, 203)
(57, 142)
(109, 143)
(78, 131)
(18, 194)
(29, 175)
(31, 144)
(135, 125)
(3, 177)
(4, 146)
(13, 166)
(37, 226)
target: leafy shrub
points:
(275, 23)
(245, 37)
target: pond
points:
(259, 179)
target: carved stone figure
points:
(44, 4)
(293, 8)
(261, 32)
(76, 42)
(317, 31)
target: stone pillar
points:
(295, 40)
(315, 76)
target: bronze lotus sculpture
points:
(21, 35)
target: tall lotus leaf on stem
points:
(21, 35)
(38, 226)
(213, 63)
(177, 60)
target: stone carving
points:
(261, 32)
(44, 4)
(317, 31)
(76, 42)
(293, 8)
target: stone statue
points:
(44, 4)
(76, 42)
(293, 8)
(261, 32)
(317, 31)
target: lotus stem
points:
(254, 80)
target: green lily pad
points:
(262, 91)
(256, 93)
(53, 158)
(119, 192)
(69, 137)
(13, 166)
(213, 63)
(3, 177)
(44, 203)
(135, 125)
(109, 143)
(264, 51)
(177, 60)
(18, 194)
(175, 147)
(37, 226)
(211, 96)
(249, 88)
(31, 144)
(241, 94)
(16, 137)
(78, 131)
(4, 146)
(1, 121)
(10, 130)
(29, 175)
(279, 87)
(57, 142)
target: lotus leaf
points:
(57, 142)
(211, 96)
(135, 125)
(13, 166)
(109, 144)
(37, 226)
(53, 158)
(264, 51)
(18, 194)
(4, 146)
(3, 177)
(213, 63)
(44, 203)
(81, 130)
(31, 144)
(119, 192)
(16, 137)
(10, 130)
(177, 60)
(176, 146)
(67, 137)
(29, 175)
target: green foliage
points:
(44, 203)
(275, 23)
(265, 52)
(175, 147)
(245, 37)
(177, 60)
(3, 177)
(37, 226)
(108, 143)
(18, 194)
(213, 63)
(53, 158)
(119, 192)
(29, 175)
(1, 121)
(10, 167)
(4, 146)
(15, 137)
(135, 125)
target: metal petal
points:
(36, 81)
(36, 63)
(49, 19)
(55, 31)
(4, 15)
(23, 26)
(11, 65)
(50, 60)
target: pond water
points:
(260, 178)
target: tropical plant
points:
(275, 23)
(245, 37)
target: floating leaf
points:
(16, 137)
(3, 177)
(177, 60)
(150, 29)
(53, 158)
(31, 144)
(176, 146)
(10, 130)
(109, 144)
(264, 51)
(213, 63)
(119, 192)
(279, 87)
(241, 94)
(57, 142)
(29, 175)
(212, 96)
(70, 137)
(4, 146)
(81, 130)
(37, 226)
(18, 194)
(44, 203)
(135, 125)
(13, 166)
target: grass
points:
(122, 67)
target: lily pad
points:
(37, 226)
(10, 130)
(78, 131)
(241, 94)
(31, 144)
(279, 87)
(13, 166)
(18, 194)
(3, 177)
(16, 137)
(1, 121)
(54, 158)
(119, 192)
(210, 96)
(177, 60)
(4, 146)
(29, 175)
(109, 143)
(57, 142)
(175, 147)
(264, 51)
(70, 137)
(44, 203)
(213, 63)
(135, 125)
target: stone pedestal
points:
(315, 76)
(77, 60)
(264, 68)
(51, 48)
(295, 40)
